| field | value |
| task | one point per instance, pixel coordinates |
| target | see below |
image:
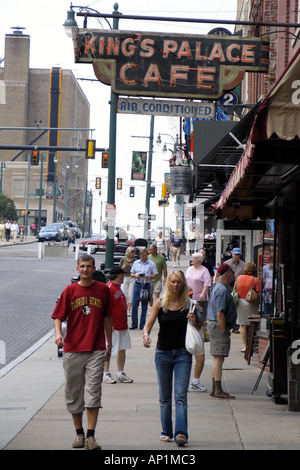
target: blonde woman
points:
(160, 243)
(128, 283)
(171, 356)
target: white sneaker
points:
(123, 378)
(198, 387)
(108, 379)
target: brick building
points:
(31, 102)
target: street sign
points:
(146, 217)
(110, 212)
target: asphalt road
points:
(29, 288)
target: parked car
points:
(98, 243)
(50, 232)
(62, 228)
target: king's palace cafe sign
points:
(168, 65)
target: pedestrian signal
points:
(90, 149)
(131, 191)
(104, 160)
(152, 191)
(34, 157)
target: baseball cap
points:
(236, 251)
(223, 268)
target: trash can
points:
(293, 366)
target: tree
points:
(7, 208)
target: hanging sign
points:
(169, 65)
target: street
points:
(29, 289)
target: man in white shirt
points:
(15, 230)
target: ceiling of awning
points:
(215, 168)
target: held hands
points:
(194, 320)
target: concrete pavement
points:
(33, 415)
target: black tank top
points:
(172, 329)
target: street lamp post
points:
(54, 191)
(41, 190)
(149, 175)
(3, 165)
(66, 195)
(109, 252)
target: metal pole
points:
(66, 197)
(40, 195)
(149, 173)
(27, 196)
(84, 209)
(109, 252)
(54, 192)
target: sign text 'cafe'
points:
(151, 64)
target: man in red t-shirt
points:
(85, 305)
(120, 336)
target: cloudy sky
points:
(50, 47)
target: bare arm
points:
(59, 339)
(150, 322)
(222, 320)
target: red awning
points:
(278, 114)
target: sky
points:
(50, 47)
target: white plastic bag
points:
(193, 340)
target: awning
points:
(277, 120)
(217, 152)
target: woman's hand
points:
(146, 340)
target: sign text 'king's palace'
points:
(152, 64)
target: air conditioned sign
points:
(151, 64)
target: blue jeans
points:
(135, 304)
(179, 362)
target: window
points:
(18, 187)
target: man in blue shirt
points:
(221, 316)
(143, 270)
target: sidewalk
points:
(33, 415)
(27, 239)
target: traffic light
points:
(98, 183)
(164, 190)
(131, 191)
(90, 149)
(152, 191)
(163, 202)
(119, 183)
(104, 160)
(34, 157)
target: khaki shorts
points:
(219, 342)
(156, 287)
(84, 374)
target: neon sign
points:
(149, 64)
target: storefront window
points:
(267, 274)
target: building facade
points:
(264, 189)
(42, 108)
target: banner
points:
(138, 166)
